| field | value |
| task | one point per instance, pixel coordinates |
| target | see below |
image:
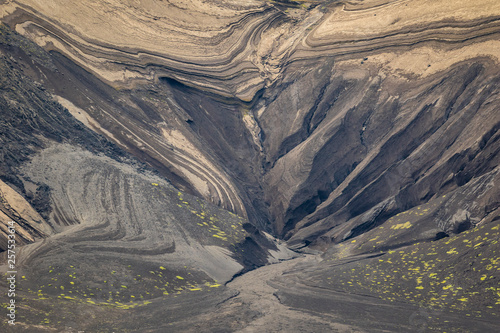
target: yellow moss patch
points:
(398, 226)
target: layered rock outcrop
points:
(320, 122)
(82, 207)
(343, 83)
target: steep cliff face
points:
(324, 123)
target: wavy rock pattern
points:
(15, 208)
(205, 43)
(114, 210)
(327, 123)
(377, 58)
(127, 239)
(101, 209)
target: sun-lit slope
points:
(235, 47)
(15, 207)
(204, 43)
(353, 19)
(374, 26)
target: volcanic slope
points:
(323, 119)
(353, 128)
(113, 240)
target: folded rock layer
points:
(325, 123)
